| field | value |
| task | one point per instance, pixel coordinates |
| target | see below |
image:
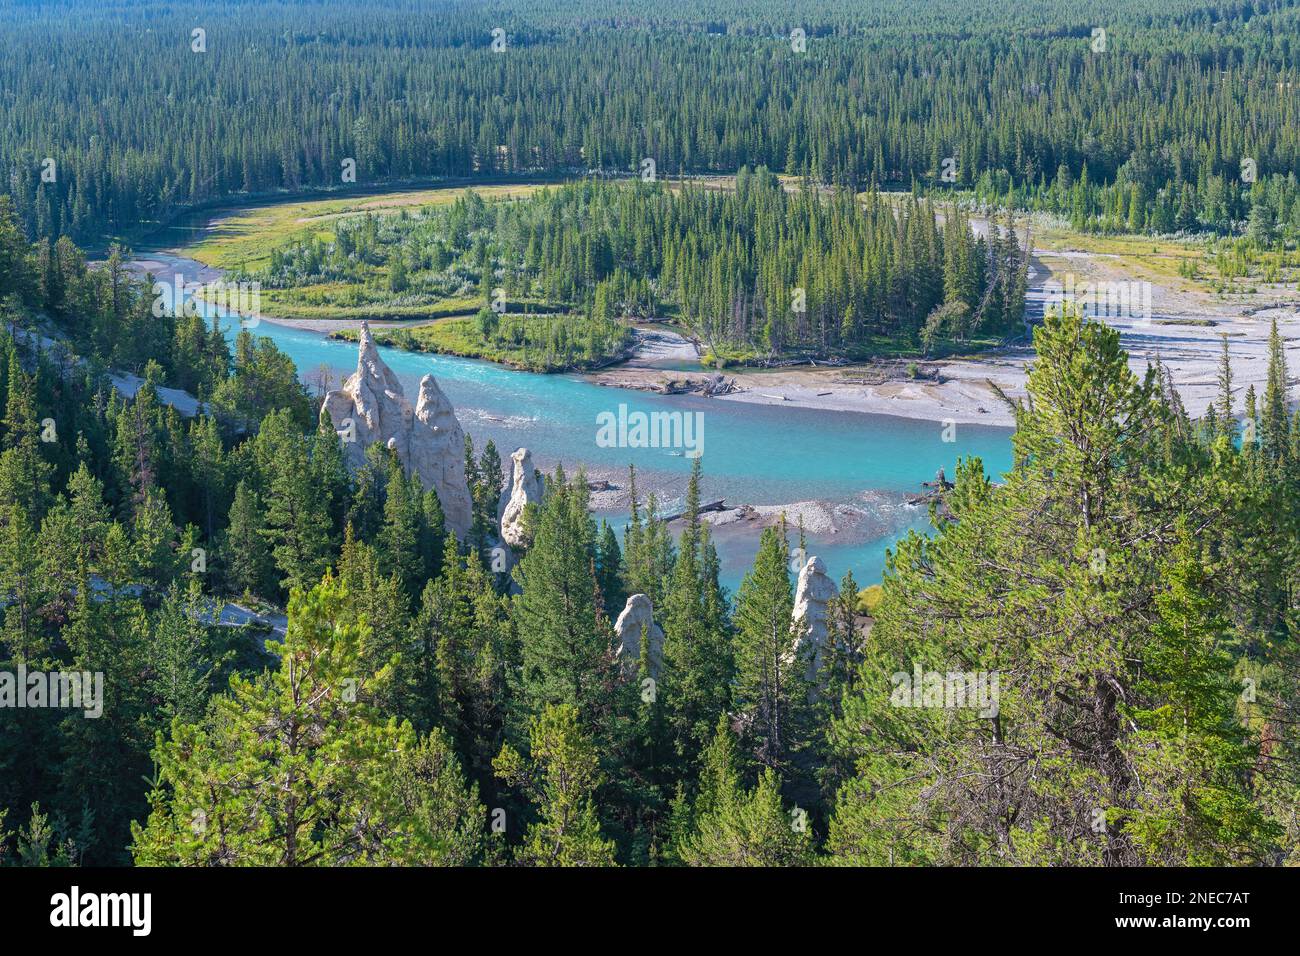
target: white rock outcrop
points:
(814, 591)
(525, 488)
(637, 614)
(428, 440)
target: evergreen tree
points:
(769, 690)
(293, 768)
(461, 655)
(698, 656)
(1077, 525)
(1274, 417)
(1194, 757)
(297, 520)
(731, 827)
(560, 776)
(181, 662)
(609, 570)
(398, 543)
(566, 640)
(246, 559)
(1226, 423)
(330, 470)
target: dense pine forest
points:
(1132, 580)
(1179, 116)
(750, 272)
(1090, 658)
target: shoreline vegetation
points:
(544, 279)
(1206, 287)
(454, 336)
(961, 388)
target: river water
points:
(860, 468)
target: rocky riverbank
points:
(1184, 330)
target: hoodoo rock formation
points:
(814, 591)
(428, 440)
(637, 614)
(525, 488)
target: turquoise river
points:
(860, 468)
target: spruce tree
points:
(398, 543)
(769, 687)
(1226, 423)
(1274, 416)
(297, 516)
(698, 656)
(566, 641)
(246, 560)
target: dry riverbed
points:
(1184, 331)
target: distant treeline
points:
(138, 124)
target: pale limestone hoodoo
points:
(637, 614)
(814, 591)
(525, 489)
(427, 438)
